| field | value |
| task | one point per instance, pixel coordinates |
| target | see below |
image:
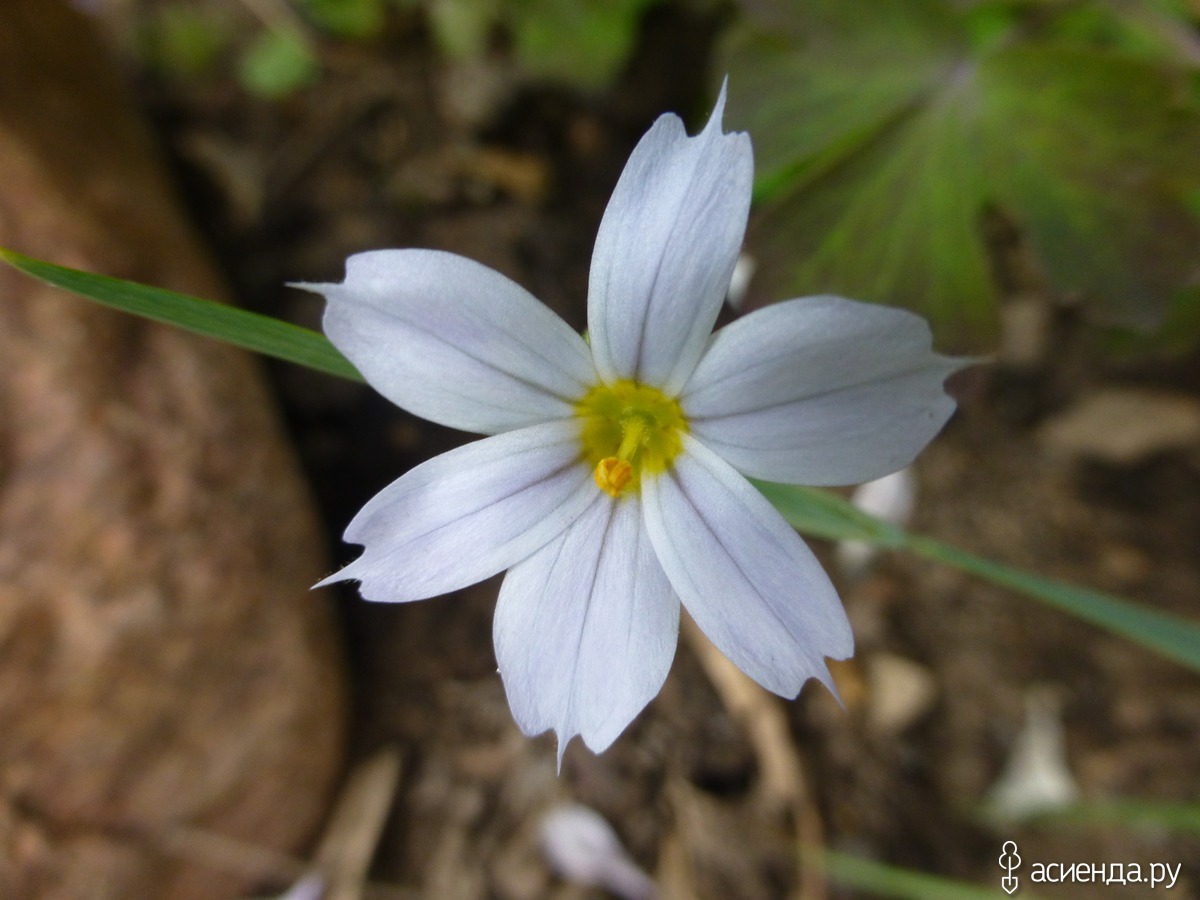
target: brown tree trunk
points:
(162, 663)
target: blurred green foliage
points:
(184, 40)
(580, 42)
(898, 142)
(888, 131)
(273, 48)
(346, 18)
(278, 63)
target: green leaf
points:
(185, 41)
(1169, 635)
(887, 130)
(583, 42)
(460, 27)
(1180, 818)
(897, 221)
(882, 880)
(278, 63)
(824, 514)
(813, 511)
(249, 330)
(827, 515)
(817, 81)
(1094, 155)
(1154, 30)
(866, 156)
(1179, 332)
(347, 18)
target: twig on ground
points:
(781, 768)
(352, 833)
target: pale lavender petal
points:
(455, 342)
(745, 576)
(892, 498)
(666, 251)
(583, 848)
(586, 627)
(468, 514)
(820, 391)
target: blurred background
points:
(1024, 174)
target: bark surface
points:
(164, 670)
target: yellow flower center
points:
(628, 429)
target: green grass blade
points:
(1169, 635)
(1180, 818)
(815, 512)
(882, 880)
(249, 330)
(823, 514)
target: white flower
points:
(613, 485)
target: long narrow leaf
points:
(240, 327)
(815, 512)
(1172, 636)
(882, 880)
(823, 514)
(1181, 818)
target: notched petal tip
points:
(468, 514)
(345, 573)
(820, 391)
(825, 676)
(716, 119)
(585, 628)
(452, 341)
(666, 249)
(743, 573)
(563, 741)
(312, 287)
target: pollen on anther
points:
(612, 475)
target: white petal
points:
(666, 251)
(892, 498)
(820, 391)
(582, 847)
(1037, 778)
(467, 514)
(745, 576)
(739, 282)
(455, 342)
(586, 628)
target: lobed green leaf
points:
(888, 131)
(1094, 156)
(870, 227)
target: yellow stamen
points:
(633, 433)
(629, 430)
(612, 475)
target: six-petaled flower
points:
(613, 484)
